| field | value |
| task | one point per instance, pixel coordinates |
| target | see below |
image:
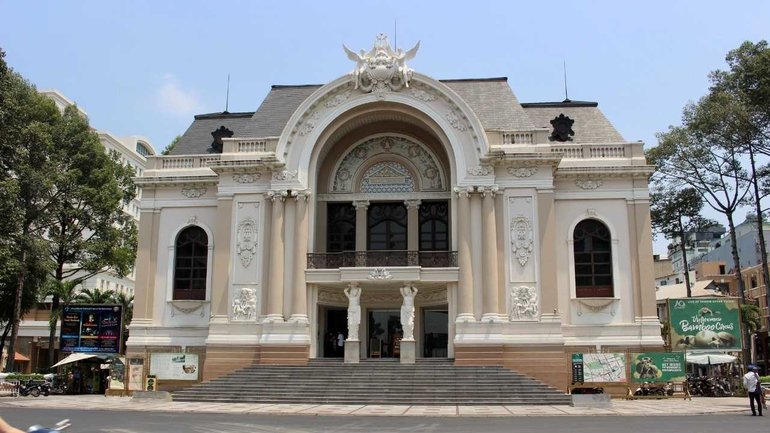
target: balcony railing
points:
(364, 259)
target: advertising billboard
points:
(174, 366)
(91, 328)
(705, 324)
(658, 367)
(598, 367)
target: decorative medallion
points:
(588, 184)
(562, 128)
(244, 307)
(246, 178)
(338, 99)
(522, 171)
(381, 69)
(481, 170)
(380, 274)
(193, 192)
(246, 246)
(456, 121)
(523, 304)
(219, 134)
(422, 95)
(192, 220)
(309, 123)
(521, 239)
(285, 175)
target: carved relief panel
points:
(522, 253)
(245, 260)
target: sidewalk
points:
(676, 406)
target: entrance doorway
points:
(384, 333)
(335, 325)
(435, 334)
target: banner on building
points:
(705, 324)
(91, 328)
(658, 367)
(174, 366)
(599, 367)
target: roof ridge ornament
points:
(382, 69)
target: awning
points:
(710, 358)
(19, 357)
(75, 357)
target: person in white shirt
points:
(751, 383)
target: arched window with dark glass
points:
(593, 260)
(387, 226)
(191, 264)
(434, 226)
(341, 227)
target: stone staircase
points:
(381, 382)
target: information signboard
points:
(604, 367)
(174, 366)
(577, 368)
(705, 323)
(658, 367)
(91, 328)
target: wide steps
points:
(375, 382)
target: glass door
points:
(435, 332)
(384, 334)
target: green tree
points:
(127, 301)
(27, 169)
(90, 232)
(751, 316)
(674, 214)
(170, 148)
(95, 296)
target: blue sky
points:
(145, 67)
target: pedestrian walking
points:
(753, 387)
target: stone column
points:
(464, 260)
(490, 312)
(361, 222)
(549, 296)
(275, 272)
(299, 297)
(146, 265)
(413, 224)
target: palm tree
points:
(127, 301)
(752, 317)
(95, 296)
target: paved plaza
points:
(676, 406)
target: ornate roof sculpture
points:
(381, 69)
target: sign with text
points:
(705, 323)
(174, 366)
(658, 367)
(91, 328)
(577, 368)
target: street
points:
(101, 421)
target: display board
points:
(174, 366)
(603, 367)
(118, 374)
(91, 328)
(705, 324)
(658, 367)
(135, 374)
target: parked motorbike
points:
(29, 388)
(647, 389)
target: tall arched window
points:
(387, 226)
(191, 262)
(593, 260)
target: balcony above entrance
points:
(382, 266)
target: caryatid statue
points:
(354, 311)
(407, 312)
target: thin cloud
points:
(173, 99)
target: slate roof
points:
(491, 99)
(590, 124)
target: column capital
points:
(412, 203)
(279, 195)
(361, 204)
(463, 191)
(490, 190)
(303, 194)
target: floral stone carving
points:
(382, 69)
(380, 274)
(588, 184)
(524, 303)
(522, 171)
(521, 239)
(246, 246)
(245, 304)
(193, 192)
(246, 178)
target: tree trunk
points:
(760, 230)
(5, 335)
(682, 244)
(9, 363)
(741, 287)
(54, 311)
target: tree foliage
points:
(170, 147)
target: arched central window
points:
(191, 263)
(387, 226)
(593, 260)
(434, 226)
